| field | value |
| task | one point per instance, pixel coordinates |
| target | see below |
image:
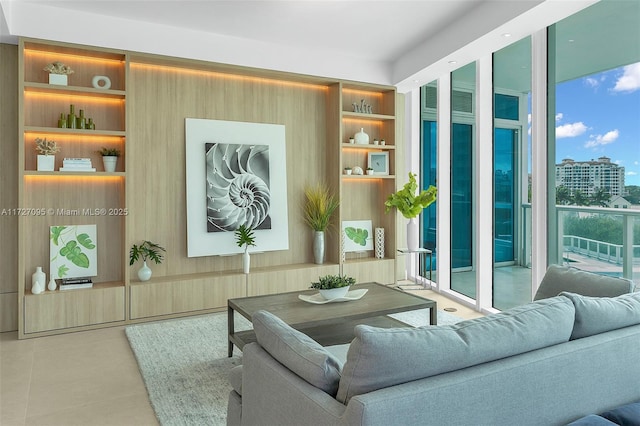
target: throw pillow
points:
(560, 278)
(595, 315)
(297, 351)
(627, 415)
(379, 358)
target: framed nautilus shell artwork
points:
(235, 175)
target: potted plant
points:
(46, 154)
(369, 170)
(58, 73)
(347, 170)
(245, 238)
(410, 204)
(109, 158)
(318, 209)
(146, 250)
(333, 286)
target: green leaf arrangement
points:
(146, 250)
(319, 206)
(406, 200)
(333, 281)
(245, 237)
(72, 249)
(357, 235)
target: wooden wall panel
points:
(159, 100)
(293, 278)
(9, 186)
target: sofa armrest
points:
(273, 394)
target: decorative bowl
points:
(334, 293)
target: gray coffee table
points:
(331, 323)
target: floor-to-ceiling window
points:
(463, 278)
(594, 70)
(429, 149)
(511, 174)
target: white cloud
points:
(636, 163)
(559, 116)
(618, 162)
(591, 82)
(570, 130)
(629, 81)
(631, 173)
(599, 140)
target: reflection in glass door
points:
(462, 209)
(505, 143)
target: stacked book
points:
(77, 165)
(73, 283)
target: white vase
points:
(52, 284)
(110, 163)
(46, 163)
(361, 137)
(334, 293)
(413, 234)
(38, 280)
(246, 262)
(144, 273)
(318, 247)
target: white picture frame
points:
(358, 235)
(200, 136)
(379, 162)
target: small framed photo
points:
(379, 162)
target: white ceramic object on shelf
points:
(110, 163)
(246, 262)
(318, 247)
(144, 273)
(101, 82)
(46, 163)
(38, 280)
(59, 79)
(357, 170)
(52, 284)
(369, 171)
(361, 137)
(347, 171)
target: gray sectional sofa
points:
(549, 362)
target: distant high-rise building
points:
(589, 176)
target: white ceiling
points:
(402, 43)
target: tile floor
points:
(88, 378)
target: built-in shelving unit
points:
(71, 198)
(143, 115)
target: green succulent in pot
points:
(333, 281)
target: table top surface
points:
(379, 300)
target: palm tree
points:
(600, 198)
(563, 195)
(580, 199)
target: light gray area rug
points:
(185, 366)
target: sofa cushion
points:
(235, 378)
(560, 278)
(380, 358)
(595, 315)
(297, 351)
(627, 415)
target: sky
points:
(599, 115)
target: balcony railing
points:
(587, 253)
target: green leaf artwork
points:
(73, 251)
(55, 233)
(357, 235)
(85, 241)
(62, 271)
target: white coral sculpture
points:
(58, 68)
(45, 147)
